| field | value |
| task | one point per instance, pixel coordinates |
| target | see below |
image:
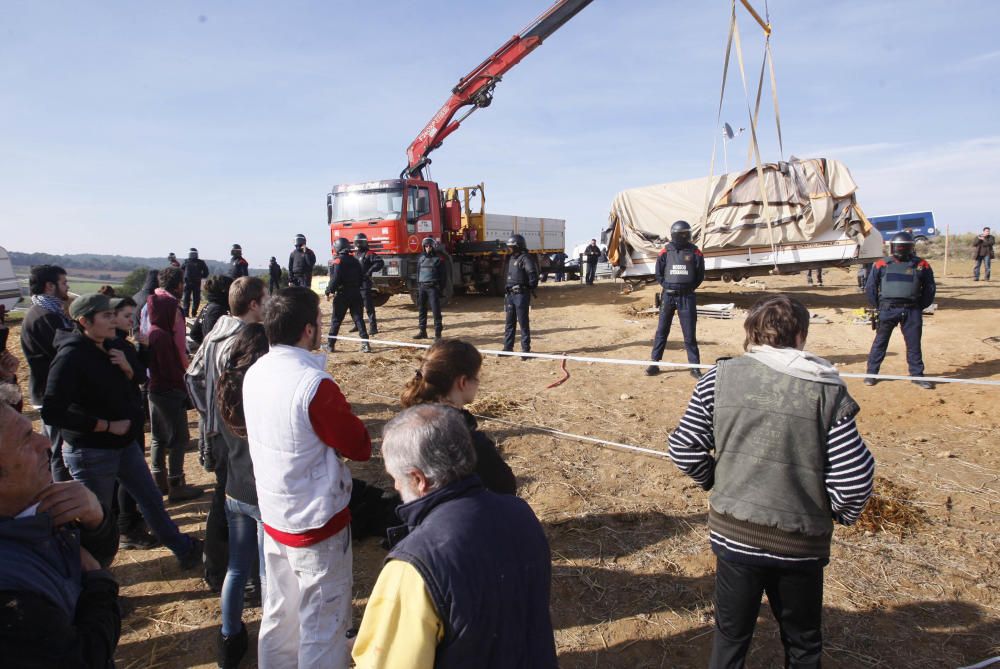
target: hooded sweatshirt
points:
(151, 284)
(166, 369)
(84, 386)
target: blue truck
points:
(920, 224)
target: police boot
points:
(437, 333)
(180, 491)
(354, 328)
(652, 370)
(421, 335)
(331, 345)
(373, 330)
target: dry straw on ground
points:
(891, 509)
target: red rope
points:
(563, 379)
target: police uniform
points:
(370, 263)
(300, 266)
(901, 289)
(345, 286)
(238, 267)
(680, 269)
(195, 270)
(522, 278)
(430, 278)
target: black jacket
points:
(370, 263)
(495, 474)
(592, 253)
(216, 308)
(275, 271)
(301, 262)
(38, 333)
(84, 386)
(345, 275)
(51, 614)
(238, 266)
(194, 270)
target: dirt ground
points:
(632, 568)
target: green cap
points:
(89, 304)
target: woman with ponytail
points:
(449, 375)
(246, 534)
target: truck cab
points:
(396, 215)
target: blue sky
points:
(142, 128)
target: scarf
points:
(53, 304)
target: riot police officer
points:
(195, 270)
(345, 286)
(901, 287)
(238, 266)
(370, 263)
(274, 272)
(680, 269)
(430, 281)
(300, 263)
(522, 280)
(172, 259)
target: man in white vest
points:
(300, 428)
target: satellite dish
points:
(728, 130)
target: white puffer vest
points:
(301, 482)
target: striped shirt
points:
(849, 473)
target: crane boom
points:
(475, 89)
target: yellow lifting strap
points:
(754, 149)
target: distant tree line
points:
(94, 261)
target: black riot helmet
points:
(341, 246)
(361, 241)
(236, 251)
(193, 254)
(516, 243)
(300, 239)
(901, 246)
(680, 232)
(429, 245)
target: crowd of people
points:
(466, 580)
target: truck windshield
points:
(367, 205)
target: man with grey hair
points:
(467, 579)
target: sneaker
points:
(252, 594)
(138, 539)
(231, 649)
(421, 335)
(652, 370)
(181, 491)
(365, 348)
(354, 328)
(871, 382)
(926, 385)
(193, 557)
(696, 373)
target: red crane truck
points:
(397, 214)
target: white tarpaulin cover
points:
(806, 197)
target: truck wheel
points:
(498, 280)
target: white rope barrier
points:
(678, 365)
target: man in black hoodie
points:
(90, 398)
(47, 315)
(58, 606)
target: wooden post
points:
(947, 238)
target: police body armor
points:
(427, 269)
(900, 282)
(517, 273)
(680, 267)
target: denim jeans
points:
(246, 541)
(56, 464)
(168, 418)
(982, 260)
(97, 468)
